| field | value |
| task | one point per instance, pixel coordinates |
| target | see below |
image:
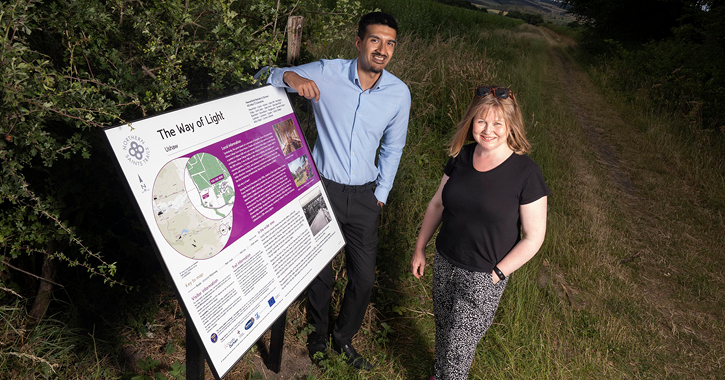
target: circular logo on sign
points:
(135, 150)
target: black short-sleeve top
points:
(481, 221)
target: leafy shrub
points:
(528, 17)
(678, 63)
(70, 68)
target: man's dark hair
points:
(375, 18)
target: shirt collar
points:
(355, 79)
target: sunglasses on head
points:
(499, 92)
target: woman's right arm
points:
(431, 220)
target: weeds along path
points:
(637, 220)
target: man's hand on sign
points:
(303, 86)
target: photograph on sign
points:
(236, 210)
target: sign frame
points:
(249, 143)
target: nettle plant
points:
(69, 68)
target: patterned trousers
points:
(464, 304)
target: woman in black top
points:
(491, 205)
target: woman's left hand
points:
(533, 230)
(417, 264)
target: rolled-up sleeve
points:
(312, 71)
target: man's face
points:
(375, 49)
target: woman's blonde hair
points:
(508, 108)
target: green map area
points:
(214, 187)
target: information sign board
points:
(236, 210)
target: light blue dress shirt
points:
(352, 123)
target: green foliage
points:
(460, 3)
(528, 17)
(383, 333)
(178, 370)
(152, 370)
(325, 22)
(631, 21)
(427, 18)
(71, 67)
(148, 364)
(682, 73)
(304, 332)
(38, 353)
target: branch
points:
(33, 358)
(40, 208)
(11, 291)
(418, 311)
(65, 114)
(30, 274)
(98, 83)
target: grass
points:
(35, 352)
(627, 284)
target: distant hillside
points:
(550, 10)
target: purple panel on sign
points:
(261, 172)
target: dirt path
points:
(646, 204)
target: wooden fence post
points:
(294, 38)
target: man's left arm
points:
(391, 149)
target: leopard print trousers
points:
(464, 304)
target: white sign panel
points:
(236, 209)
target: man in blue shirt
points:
(359, 107)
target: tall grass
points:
(428, 18)
(36, 352)
(684, 125)
(572, 312)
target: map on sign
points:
(209, 186)
(192, 203)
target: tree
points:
(672, 48)
(630, 21)
(529, 18)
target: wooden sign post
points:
(294, 38)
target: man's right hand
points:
(303, 86)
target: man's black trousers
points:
(357, 211)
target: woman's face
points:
(490, 130)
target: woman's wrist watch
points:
(499, 273)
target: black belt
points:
(332, 185)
